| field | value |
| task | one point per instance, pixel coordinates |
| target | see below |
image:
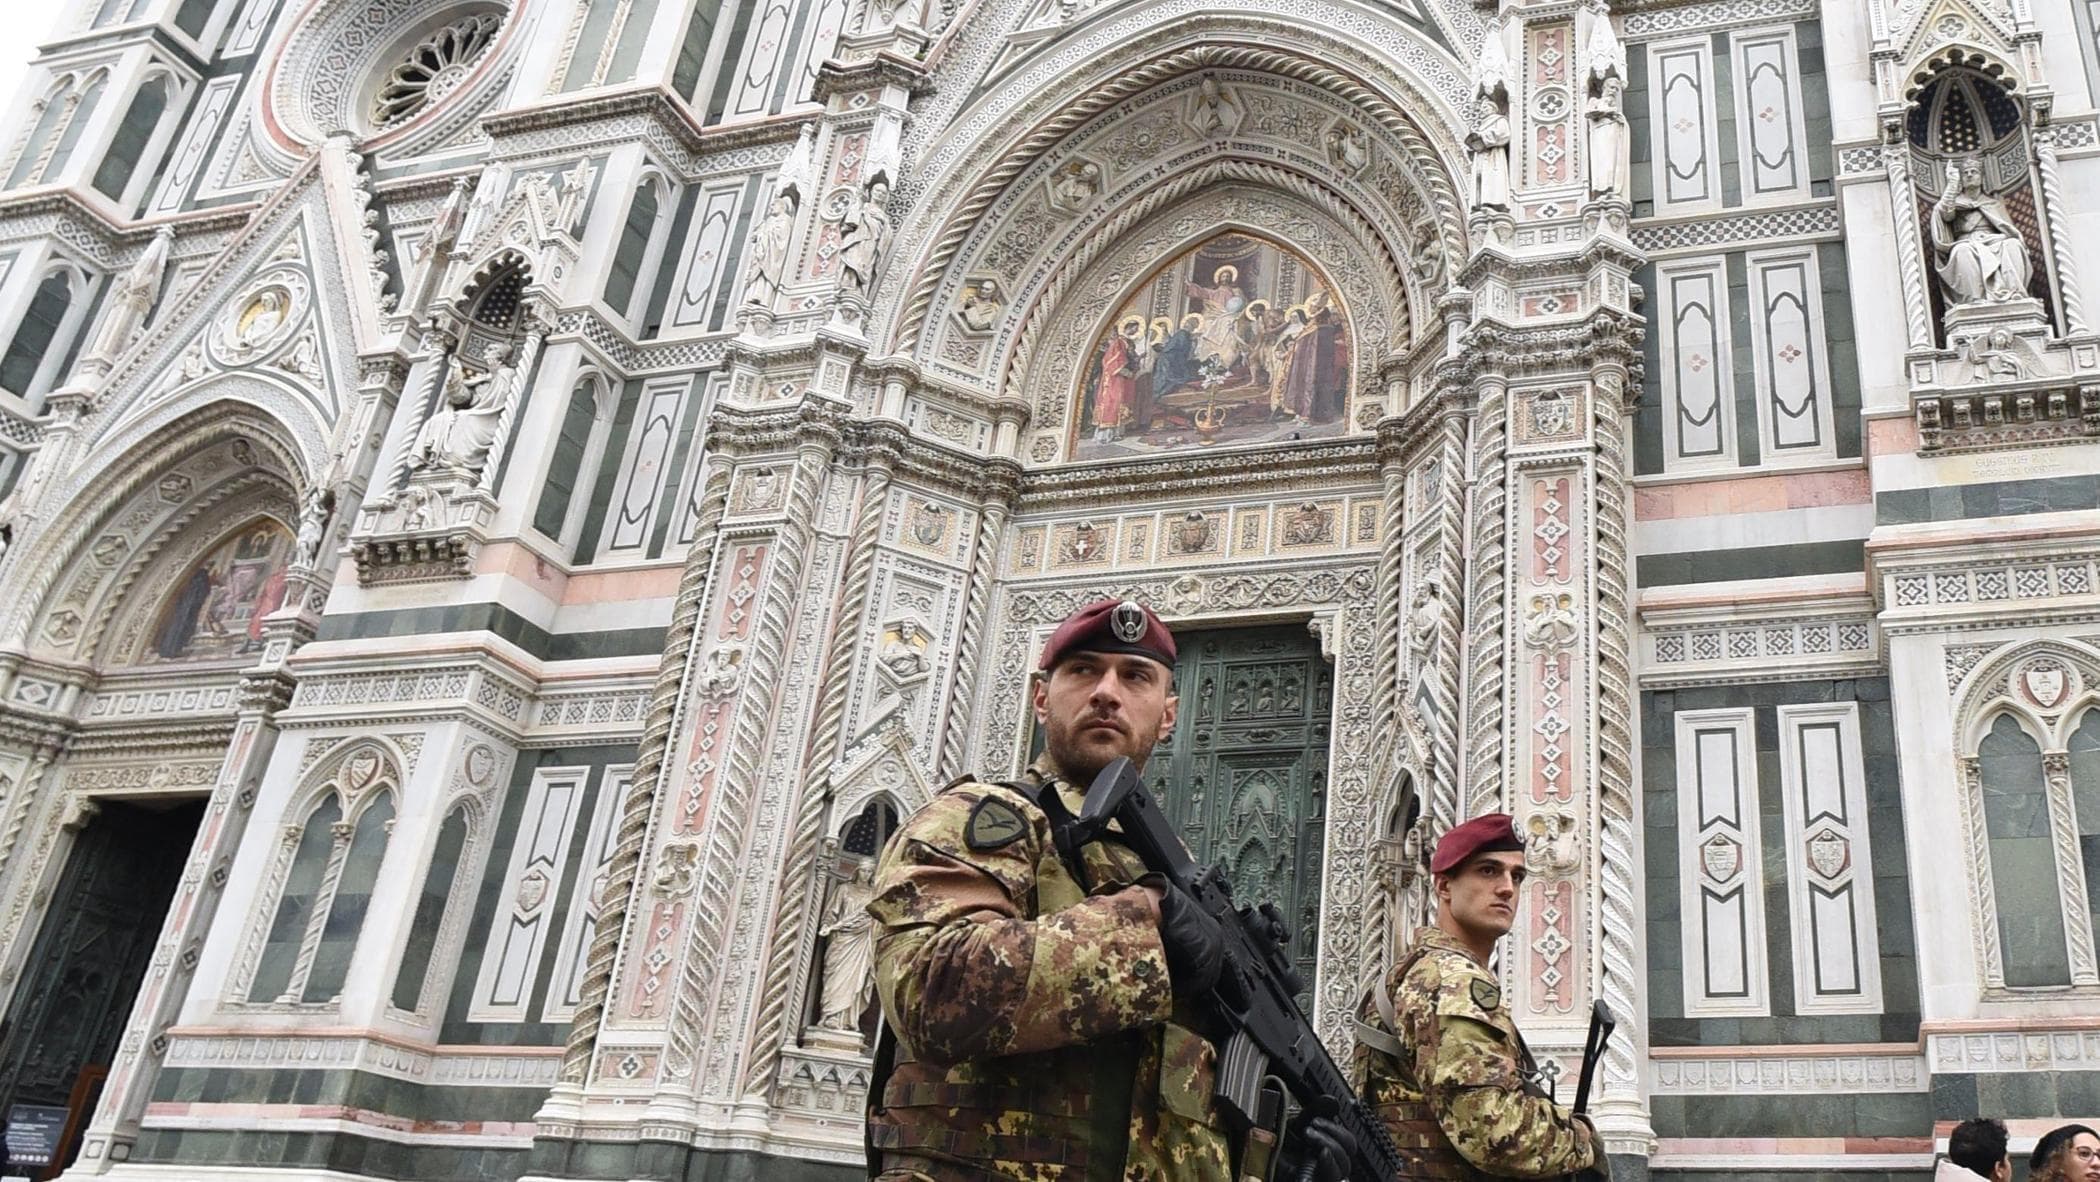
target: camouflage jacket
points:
(1037, 1032)
(1445, 1069)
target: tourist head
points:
(1979, 1146)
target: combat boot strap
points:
(1412, 1123)
(1075, 1102)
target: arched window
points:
(134, 135)
(33, 359)
(353, 897)
(2085, 792)
(57, 104)
(295, 907)
(633, 263)
(871, 830)
(410, 980)
(76, 125)
(566, 467)
(323, 881)
(2022, 864)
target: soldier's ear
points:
(1038, 688)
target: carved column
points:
(1910, 257)
(2070, 866)
(2066, 267)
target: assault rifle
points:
(1255, 997)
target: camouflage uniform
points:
(1037, 1032)
(1444, 1068)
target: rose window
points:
(433, 66)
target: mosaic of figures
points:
(217, 608)
(1238, 341)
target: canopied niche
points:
(1979, 209)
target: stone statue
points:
(864, 232)
(1214, 112)
(981, 306)
(767, 268)
(1348, 149)
(313, 525)
(1076, 184)
(1425, 616)
(444, 229)
(463, 430)
(1489, 144)
(849, 952)
(132, 297)
(1981, 257)
(2001, 356)
(1609, 160)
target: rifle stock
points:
(1255, 997)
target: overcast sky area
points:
(29, 25)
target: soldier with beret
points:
(1040, 998)
(1437, 1055)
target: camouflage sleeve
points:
(1474, 1086)
(965, 975)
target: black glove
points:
(1318, 1149)
(1194, 942)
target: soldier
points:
(1039, 998)
(1437, 1056)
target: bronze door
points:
(1245, 773)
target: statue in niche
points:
(132, 297)
(769, 250)
(981, 305)
(1076, 183)
(258, 321)
(1214, 112)
(1488, 142)
(1609, 159)
(864, 232)
(1979, 254)
(849, 952)
(459, 436)
(313, 526)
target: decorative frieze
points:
(1790, 1071)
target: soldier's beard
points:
(1080, 753)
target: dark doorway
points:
(85, 969)
(1245, 774)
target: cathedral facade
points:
(506, 504)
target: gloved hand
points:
(1194, 942)
(1601, 1171)
(1317, 1149)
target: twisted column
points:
(784, 956)
(2059, 234)
(984, 561)
(1903, 204)
(636, 810)
(1618, 886)
(1391, 614)
(729, 810)
(1451, 528)
(1485, 599)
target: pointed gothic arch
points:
(169, 488)
(1027, 127)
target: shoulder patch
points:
(1486, 994)
(994, 824)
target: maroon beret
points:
(1111, 626)
(1483, 834)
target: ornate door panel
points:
(1245, 775)
(91, 953)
